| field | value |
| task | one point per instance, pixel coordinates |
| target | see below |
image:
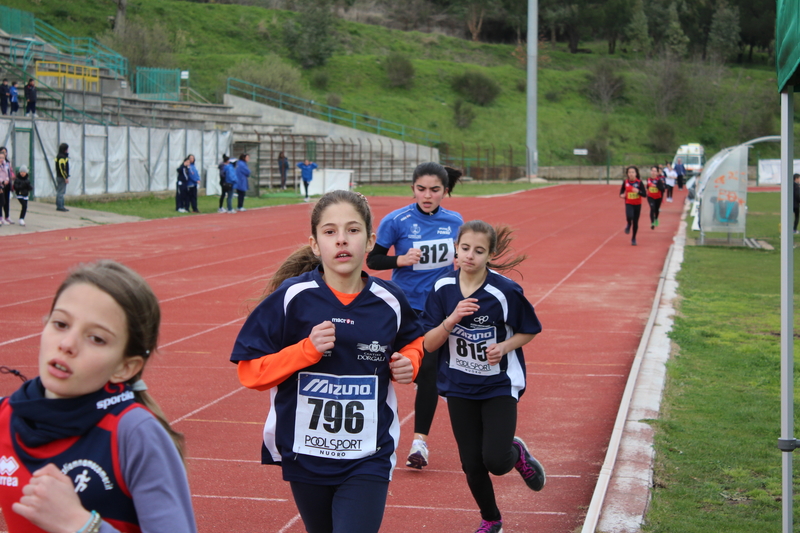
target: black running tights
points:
(632, 213)
(484, 432)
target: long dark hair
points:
(499, 242)
(634, 167)
(142, 315)
(303, 259)
(447, 175)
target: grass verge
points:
(717, 464)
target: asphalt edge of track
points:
(622, 493)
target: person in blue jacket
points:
(194, 182)
(307, 173)
(242, 173)
(14, 98)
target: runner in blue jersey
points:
(480, 320)
(423, 238)
(327, 342)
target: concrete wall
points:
(290, 123)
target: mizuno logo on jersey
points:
(352, 388)
(114, 400)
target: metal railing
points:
(16, 22)
(334, 115)
(158, 84)
(100, 54)
(488, 163)
(69, 76)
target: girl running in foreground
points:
(326, 342)
(632, 190)
(85, 447)
(422, 235)
(481, 319)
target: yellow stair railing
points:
(69, 76)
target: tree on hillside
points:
(757, 19)
(310, 36)
(516, 16)
(119, 20)
(616, 17)
(637, 32)
(724, 36)
(676, 42)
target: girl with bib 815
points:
(480, 320)
(327, 342)
(423, 236)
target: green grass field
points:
(717, 464)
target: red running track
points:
(591, 288)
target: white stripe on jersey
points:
(296, 289)
(270, 426)
(497, 293)
(441, 282)
(514, 371)
(394, 428)
(389, 298)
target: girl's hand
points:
(495, 353)
(411, 257)
(49, 501)
(622, 195)
(323, 336)
(465, 307)
(402, 369)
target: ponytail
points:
(301, 261)
(499, 243)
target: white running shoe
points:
(242, 209)
(9, 221)
(22, 222)
(418, 456)
(222, 210)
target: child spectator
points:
(22, 188)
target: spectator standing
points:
(680, 170)
(192, 184)
(283, 168)
(225, 188)
(242, 175)
(182, 184)
(22, 188)
(14, 97)
(6, 181)
(30, 98)
(307, 173)
(5, 96)
(62, 175)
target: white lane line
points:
(250, 498)
(20, 339)
(187, 415)
(289, 524)
(451, 509)
(209, 330)
(565, 278)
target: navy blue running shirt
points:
(338, 417)
(434, 235)
(504, 311)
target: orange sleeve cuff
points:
(273, 369)
(415, 353)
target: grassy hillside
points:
(734, 105)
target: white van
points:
(693, 157)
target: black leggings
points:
(427, 393)
(484, 431)
(240, 194)
(24, 203)
(355, 506)
(796, 214)
(669, 190)
(306, 184)
(227, 189)
(6, 200)
(655, 207)
(632, 213)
